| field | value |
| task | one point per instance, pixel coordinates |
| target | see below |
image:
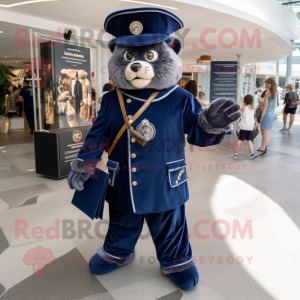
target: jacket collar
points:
(143, 95)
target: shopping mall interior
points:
(243, 214)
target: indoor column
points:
(239, 80)
(289, 62)
(277, 72)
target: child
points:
(247, 126)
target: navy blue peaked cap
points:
(141, 26)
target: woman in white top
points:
(247, 125)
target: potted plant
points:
(4, 89)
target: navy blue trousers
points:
(30, 118)
(168, 230)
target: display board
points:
(66, 85)
(223, 79)
(56, 149)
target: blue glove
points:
(78, 175)
(217, 117)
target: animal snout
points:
(135, 67)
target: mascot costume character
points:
(147, 169)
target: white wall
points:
(267, 13)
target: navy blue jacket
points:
(153, 178)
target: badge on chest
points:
(147, 129)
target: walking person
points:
(26, 97)
(288, 110)
(11, 97)
(18, 104)
(247, 126)
(267, 114)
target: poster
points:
(66, 94)
(223, 79)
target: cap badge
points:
(136, 27)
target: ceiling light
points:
(1, 31)
(151, 4)
(25, 2)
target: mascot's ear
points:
(111, 45)
(175, 43)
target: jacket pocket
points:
(113, 170)
(176, 172)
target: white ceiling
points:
(92, 13)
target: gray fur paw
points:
(76, 180)
(80, 172)
(217, 117)
(77, 165)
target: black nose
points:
(135, 67)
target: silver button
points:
(128, 100)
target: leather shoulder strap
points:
(127, 122)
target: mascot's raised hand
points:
(217, 117)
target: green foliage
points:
(4, 85)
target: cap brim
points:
(141, 39)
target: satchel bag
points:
(292, 100)
(258, 114)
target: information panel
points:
(66, 95)
(223, 79)
(56, 149)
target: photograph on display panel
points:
(67, 96)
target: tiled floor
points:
(263, 262)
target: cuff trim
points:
(79, 166)
(179, 268)
(120, 261)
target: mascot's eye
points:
(128, 56)
(151, 55)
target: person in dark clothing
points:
(26, 97)
(287, 110)
(78, 96)
(18, 104)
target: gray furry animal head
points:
(155, 66)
